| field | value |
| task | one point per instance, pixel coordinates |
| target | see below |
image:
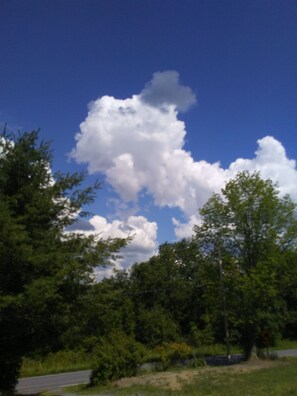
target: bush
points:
(171, 353)
(116, 356)
(201, 338)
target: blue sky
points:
(159, 91)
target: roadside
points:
(287, 353)
(256, 377)
(56, 383)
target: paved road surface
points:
(51, 382)
(288, 352)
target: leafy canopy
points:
(248, 220)
(44, 269)
(250, 229)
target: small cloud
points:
(143, 245)
(81, 225)
(142, 231)
(185, 230)
(272, 162)
(165, 89)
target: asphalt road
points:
(55, 382)
(27, 386)
(287, 352)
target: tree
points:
(44, 268)
(170, 286)
(249, 227)
(107, 308)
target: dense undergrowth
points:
(64, 361)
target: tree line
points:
(232, 282)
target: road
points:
(54, 382)
(287, 352)
(27, 386)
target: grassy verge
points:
(64, 361)
(269, 381)
(59, 362)
(285, 344)
(278, 380)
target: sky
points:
(162, 101)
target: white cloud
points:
(138, 143)
(144, 233)
(140, 147)
(185, 230)
(272, 162)
(142, 246)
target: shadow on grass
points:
(44, 393)
(28, 394)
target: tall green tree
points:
(44, 269)
(248, 228)
(169, 288)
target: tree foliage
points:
(44, 268)
(172, 283)
(249, 227)
(117, 355)
(50, 302)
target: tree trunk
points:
(9, 373)
(249, 343)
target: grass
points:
(285, 344)
(59, 362)
(217, 349)
(272, 381)
(280, 380)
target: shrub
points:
(201, 338)
(171, 353)
(116, 356)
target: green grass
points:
(217, 349)
(273, 382)
(285, 344)
(59, 362)
(277, 381)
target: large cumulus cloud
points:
(138, 143)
